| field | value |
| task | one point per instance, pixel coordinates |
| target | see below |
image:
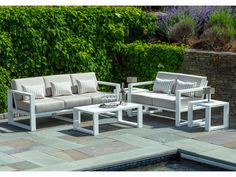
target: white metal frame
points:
(96, 111)
(12, 108)
(178, 110)
(207, 120)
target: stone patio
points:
(56, 146)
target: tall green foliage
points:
(5, 84)
(48, 40)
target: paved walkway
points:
(56, 146)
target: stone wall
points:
(220, 69)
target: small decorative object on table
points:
(109, 105)
(122, 94)
(208, 91)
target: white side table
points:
(208, 106)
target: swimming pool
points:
(164, 163)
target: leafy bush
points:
(219, 29)
(51, 40)
(145, 60)
(182, 30)
(5, 84)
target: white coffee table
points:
(207, 121)
(95, 110)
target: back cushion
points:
(81, 76)
(169, 76)
(17, 84)
(200, 81)
(56, 79)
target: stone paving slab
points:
(164, 137)
(222, 153)
(6, 168)
(193, 145)
(231, 145)
(38, 158)
(99, 161)
(6, 159)
(219, 138)
(134, 140)
(106, 148)
(24, 165)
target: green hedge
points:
(5, 84)
(145, 60)
(37, 41)
(50, 40)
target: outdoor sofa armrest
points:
(11, 97)
(116, 85)
(131, 85)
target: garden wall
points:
(220, 69)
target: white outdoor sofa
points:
(54, 104)
(176, 101)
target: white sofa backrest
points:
(55, 78)
(200, 80)
(17, 84)
(83, 76)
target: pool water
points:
(177, 165)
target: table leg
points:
(190, 115)
(95, 124)
(140, 116)
(226, 115)
(76, 119)
(208, 119)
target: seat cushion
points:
(56, 79)
(162, 100)
(96, 97)
(42, 105)
(72, 101)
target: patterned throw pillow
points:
(87, 86)
(61, 88)
(163, 85)
(37, 90)
(180, 85)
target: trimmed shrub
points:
(5, 84)
(52, 40)
(145, 60)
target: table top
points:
(96, 109)
(212, 103)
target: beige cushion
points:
(72, 101)
(97, 96)
(201, 81)
(162, 100)
(55, 78)
(37, 90)
(169, 76)
(163, 85)
(42, 105)
(61, 88)
(87, 86)
(17, 84)
(180, 85)
(79, 76)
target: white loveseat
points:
(54, 95)
(176, 101)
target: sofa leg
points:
(177, 118)
(10, 112)
(32, 122)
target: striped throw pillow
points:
(61, 88)
(180, 85)
(37, 90)
(87, 86)
(163, 85)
